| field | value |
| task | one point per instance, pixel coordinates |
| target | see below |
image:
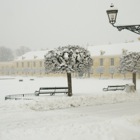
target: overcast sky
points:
(40, 24)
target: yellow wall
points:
(108, 70)
(35, 67)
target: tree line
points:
(7, 54)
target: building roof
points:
(34, 55)
(114, 49)
(111, 49)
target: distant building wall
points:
(104, 66)
(6, 68)
(29, 67)
(24, 67)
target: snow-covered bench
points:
(114, 88)
(51, 90)
(26, 96)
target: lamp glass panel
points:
(112, 17)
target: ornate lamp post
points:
(112, 15)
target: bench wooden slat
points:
(114, 88)
(51, 90)
(43, 88)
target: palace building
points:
(106, 59)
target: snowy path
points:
(110, 110)
(101, 122)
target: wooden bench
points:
(51, 90)
(114, 88)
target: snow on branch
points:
(130, 62)
(68, 59)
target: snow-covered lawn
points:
(90, 114)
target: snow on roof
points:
(34, 55)
(114, 49)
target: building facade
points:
(106, 61)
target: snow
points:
(130, 62)
(37, 55)
(89, 114)
(111, 49)
(68, 59)
(114, 49)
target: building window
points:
(28, 64)
(101, 61)
(40, 63)
(17, 64)
(22, 64)
(112, 61)
(34, 64)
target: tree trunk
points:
(134, 80)
(88, 73)
(69, 84)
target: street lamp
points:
(112, 15)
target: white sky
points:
(51, 23)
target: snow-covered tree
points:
(68, 59)
(100, 70)
(6, 54)
(130, 62)
(112, 71)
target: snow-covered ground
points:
(90, 114)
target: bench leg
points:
(105, 89)
(51, 94)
